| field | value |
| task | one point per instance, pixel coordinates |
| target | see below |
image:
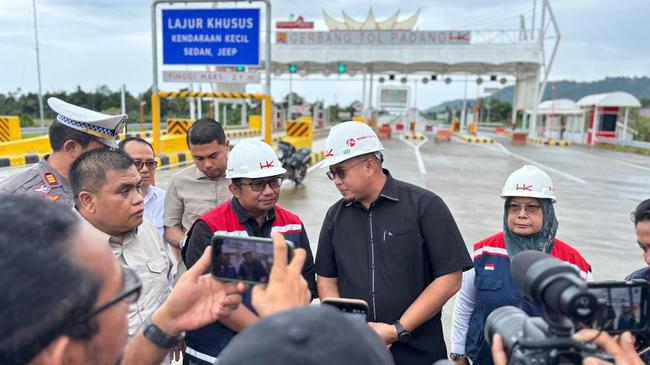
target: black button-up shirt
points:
(388, 254)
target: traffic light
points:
(293, 69)
(240, 68)
(341, 68)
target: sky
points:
(94, 42)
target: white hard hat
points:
(529, 181)
(350, 139)
(253, 159)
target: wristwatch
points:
(454, 356)
(402, 334)
(159, 338)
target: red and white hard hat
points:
(253, 159)
(531, 182)
(350, 139)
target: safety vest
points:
(495, 288)
(205, 344)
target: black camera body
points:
(528, 340)
(567, 304)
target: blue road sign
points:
(211, 36)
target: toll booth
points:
(603, 115)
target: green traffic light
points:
(240, 68)
(293, 69)
(341, 68)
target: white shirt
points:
(154, 208)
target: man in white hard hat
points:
(74, 131)
(256, 177)
(390, 243)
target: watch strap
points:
(159, 338)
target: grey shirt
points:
(144, 251)
(41, 180)
(191, 194)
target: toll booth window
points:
(608, 123)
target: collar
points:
(49, 175)
(152, 194)
(199, 174)
(243, 216)
(128, 237)
(390, 191)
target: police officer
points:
(390, 243)
(75, 131)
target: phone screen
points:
(356, 310)
(622, 306)
(246, 259)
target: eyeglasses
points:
(529, 208)
(341, 171)
(131, 289)
(151, 164)
(260, 185)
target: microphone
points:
(554, 284)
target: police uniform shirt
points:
(388, 254)
(41, 180)
(191, 194)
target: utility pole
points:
(38, 68)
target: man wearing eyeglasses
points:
(144, 157)
(390, 243)
(107, 192)
(73, 309)
(256, 178)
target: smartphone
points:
(245, 259)
(622, 305)
(353, 308)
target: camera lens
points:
(508, 322)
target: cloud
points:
(96, 42)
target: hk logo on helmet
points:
(268, 164)
(351, 142)
(524, 187)
(329, 153)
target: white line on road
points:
(416, 150)
(539, 164)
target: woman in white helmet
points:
(529, 223)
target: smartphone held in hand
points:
(353, 308)
(245, 259)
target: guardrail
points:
(616, 141)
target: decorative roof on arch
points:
(371, 23)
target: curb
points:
(414, 137)
(471, 139)
(21, 160)
(549, 142)
(317, 157)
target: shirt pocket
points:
(402, 243)
(488, 293)
(157, 266)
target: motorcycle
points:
(294, 161)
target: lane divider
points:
(549, 142)
(472, 139)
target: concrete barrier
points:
(472, 139)
(549, 142)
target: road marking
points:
(630, 164)
(539, 164)
(416, 150)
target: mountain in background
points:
(637, 86)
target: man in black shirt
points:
(390, 243)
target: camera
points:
(568, 304)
